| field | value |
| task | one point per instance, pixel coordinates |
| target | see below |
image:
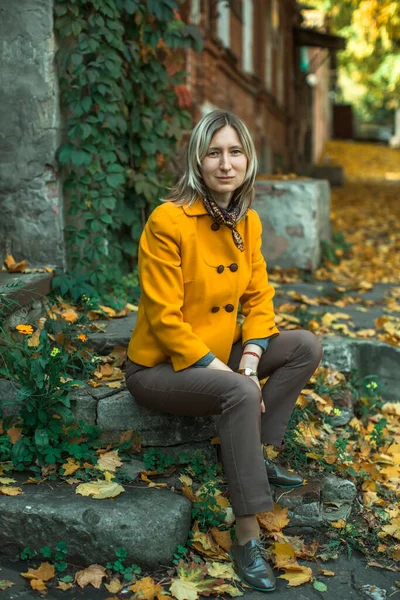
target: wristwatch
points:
(248, 372)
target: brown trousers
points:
(289, 361)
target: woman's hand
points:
(218, 364)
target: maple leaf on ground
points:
(93, 575)
(5, 584)
(297, 576)
(223, 538)
(393, 528)
(70, 466)
(15, 434)
(284, 555)
(192, 581)
(205, 544)
(38, 584)
(274, 520)
(45, 572)
(63, 585)
(114, 586)
(100, 489)
(227, 588)
(222, 570)
(7, 480)
(10, 491)
(147, 589)
(109, 461)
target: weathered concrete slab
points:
(120, 412)
(368, 357)
(148, 523)
(304, 504)
(296, 217)
(117, 333)
(30, 189)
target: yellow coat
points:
(192, 279)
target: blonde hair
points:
(191, 184)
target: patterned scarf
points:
(225, 217)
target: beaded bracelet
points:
(252, 353)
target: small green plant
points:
(27, 553)
(206, 510)
(292, 452)
(334, 252)
(370, 401)
(119, 565)
(179, 554)
(57, 556)
(156, 460)
(196, 465)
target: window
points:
(195, 12)
(247, 48)
(223, 23)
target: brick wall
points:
(264, 98)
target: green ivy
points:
(123, 124)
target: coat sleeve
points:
(161, 283)
(256, 302)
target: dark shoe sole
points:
(249, 584)
(286, 487)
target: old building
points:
(257, 61)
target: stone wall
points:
(31, 202)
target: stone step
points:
(24, 301)
(149, 523)
(295, 215)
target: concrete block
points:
(117, 333)
(148, 523)
(120, 412)
(296, 218)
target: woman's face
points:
(224, 166)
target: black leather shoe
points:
(281, 477)
(252, 566)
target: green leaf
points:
(115, 179)
(41, 438)
(321, 587)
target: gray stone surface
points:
(369, 357)
(304, 504)
(132, 468)
(84, 405)
(30, 190)
(148, 523)
(118, 333)
(120, 412)
(336, 489)
(296, 217)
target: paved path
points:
(351, 575)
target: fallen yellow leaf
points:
(100, 489)
(274, 520)
(10, 491)
(45, 572)
(93, 575)
(109, 461)
(297, 577)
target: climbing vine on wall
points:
(120, 64)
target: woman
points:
(200, 257)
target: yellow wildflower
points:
(55, 351)
(82, 337)
(25, 329)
